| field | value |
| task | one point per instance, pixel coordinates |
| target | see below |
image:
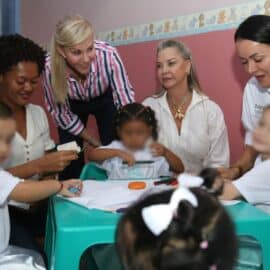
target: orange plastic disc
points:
(136, 185)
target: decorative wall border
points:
(200, 22)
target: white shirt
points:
(254, 100)
(37, 141)
(254, 185)
(117, 170)
(203, 141)
(13, 258)
(7, 184)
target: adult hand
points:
(71, 184)
(229, 173)
(56, 161)
(89, 139)
(94, 142)
(127, 157)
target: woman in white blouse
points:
(190, 124)
(22, 62)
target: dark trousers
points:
(103, 109)
(27, 225)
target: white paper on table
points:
(111, 195)
(230, 202)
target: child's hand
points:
(67, 185)
(127, 157)
(158, 149)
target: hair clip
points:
(152, 214)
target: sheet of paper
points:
(111, 195)
(231, 202)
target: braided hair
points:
(136, 111)
(198, 238)
(16, 48)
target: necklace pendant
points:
(179, 115)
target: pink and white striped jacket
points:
(107, 72)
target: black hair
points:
(16, 48)
(5, 111)
(179, 246)
(136, 111)
(255, 28)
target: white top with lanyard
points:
(254, 185)
(254, 100)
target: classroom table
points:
(71, 229)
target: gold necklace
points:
(179, 108)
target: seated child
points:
(185, 229)
(254, 186)
(136, 154)
(13, 188)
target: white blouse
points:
(203, 141)
(37, 140)
(254, 185)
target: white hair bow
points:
(158, 217)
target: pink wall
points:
(219, 70)
(221, 76)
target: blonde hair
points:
(70, 31)
(192, 79)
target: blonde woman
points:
(190, 124)
(83, 77)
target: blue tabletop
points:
(74, 224)
(243, 212)
(68, 214)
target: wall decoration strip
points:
(201, 22)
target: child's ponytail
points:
(183, 229)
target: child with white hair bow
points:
(184, 229)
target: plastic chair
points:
(92, 171)
(250, 254)
(253, 223)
